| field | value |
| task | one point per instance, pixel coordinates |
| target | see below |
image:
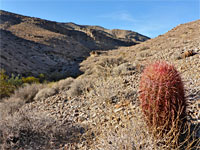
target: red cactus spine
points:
(161, 94)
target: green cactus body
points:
(162, 94)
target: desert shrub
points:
(28, 92)
(76, 89)
(124, 69)
(100, 71)
(79, 87)
(41, 77)
(20, 97)
(30, 80)
(53, 88)
(111, 61)
(30, 129)
(15, 80)
(45, 93)
(104, 68)
(9, 84)
(144, 48)
(145, 54)
(63, 84)
(6, 88)
(10, 106)
(121, 69)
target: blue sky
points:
(148, 17)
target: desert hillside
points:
(100, 108)
(33, 46)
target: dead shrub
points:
(121, 69)
(9, 107)
(145, 54)
(54, 88)
(144, 48)
(21, 96)
(63, 84)
(28, 92)
(29, 129)
(45, 93)
(79, 87)
(111, 61)
(124, 69)
(107, 67)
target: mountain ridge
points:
(64, 44)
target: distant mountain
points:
(31, 45)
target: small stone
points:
(188, 53)
(116, 110)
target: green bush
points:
(41, 77)
(30, 80)
(6, 88)
(9, 84)
(15, 80)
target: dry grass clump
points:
(30, 129)
(182, 135)
(121, 69)
(111, 61)
(79, 87)
(28, 92)
(63, 84)
(54, 88)
(144, 48)
(21, 96)
(125, 69)
(10, 106)
(116, 70)
(45, 93)
(114, 66)
(103, 66)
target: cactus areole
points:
(161, 94)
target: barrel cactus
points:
(162, 95)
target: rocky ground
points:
(100, 109)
